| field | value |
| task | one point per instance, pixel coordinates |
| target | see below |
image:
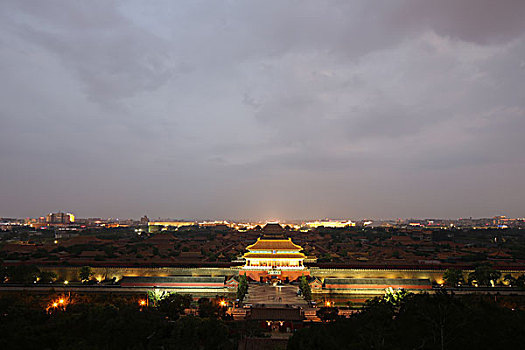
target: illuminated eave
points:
(277, 256)
(266, 268)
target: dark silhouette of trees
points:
(242, 288)
(453, 277)
(509, 280)
(174, 305)
(422, 321)
(197, 333)
(46, 276)
(22, 273)
(85, 273)
(484, 275)
(106, 322)
(305, 289)
(327, 314)
(208, 308)
(520, 281)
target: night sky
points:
(262, 109)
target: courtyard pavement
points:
(273, 296)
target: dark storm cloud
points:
(262, 109)
(481, 21)
(110, 55)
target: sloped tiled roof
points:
(274, 244)
(273, 229)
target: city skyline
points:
(405, 109)
(65, 218)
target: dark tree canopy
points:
(422, 321)
(106, 322)
(453, 277)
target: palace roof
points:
(273, 230)
(274, 244)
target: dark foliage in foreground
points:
(422, 321)
(90, 323)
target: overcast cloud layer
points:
(263, 109)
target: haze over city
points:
(262, 110)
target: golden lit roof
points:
(274, 256)
(274, 244)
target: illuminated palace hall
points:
(274, 256)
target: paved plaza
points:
(273, 296)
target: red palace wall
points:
(375, 286)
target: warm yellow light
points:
(330, 223)
(327, 303)
(66, 282)
(61, 301)
(55, 304)
(142, 302)
(222, 303)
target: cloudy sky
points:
(262, 109)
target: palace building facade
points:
(274, 256)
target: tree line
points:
(418, 321)
(483, 275)
(105, 321)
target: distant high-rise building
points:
(60, 218)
